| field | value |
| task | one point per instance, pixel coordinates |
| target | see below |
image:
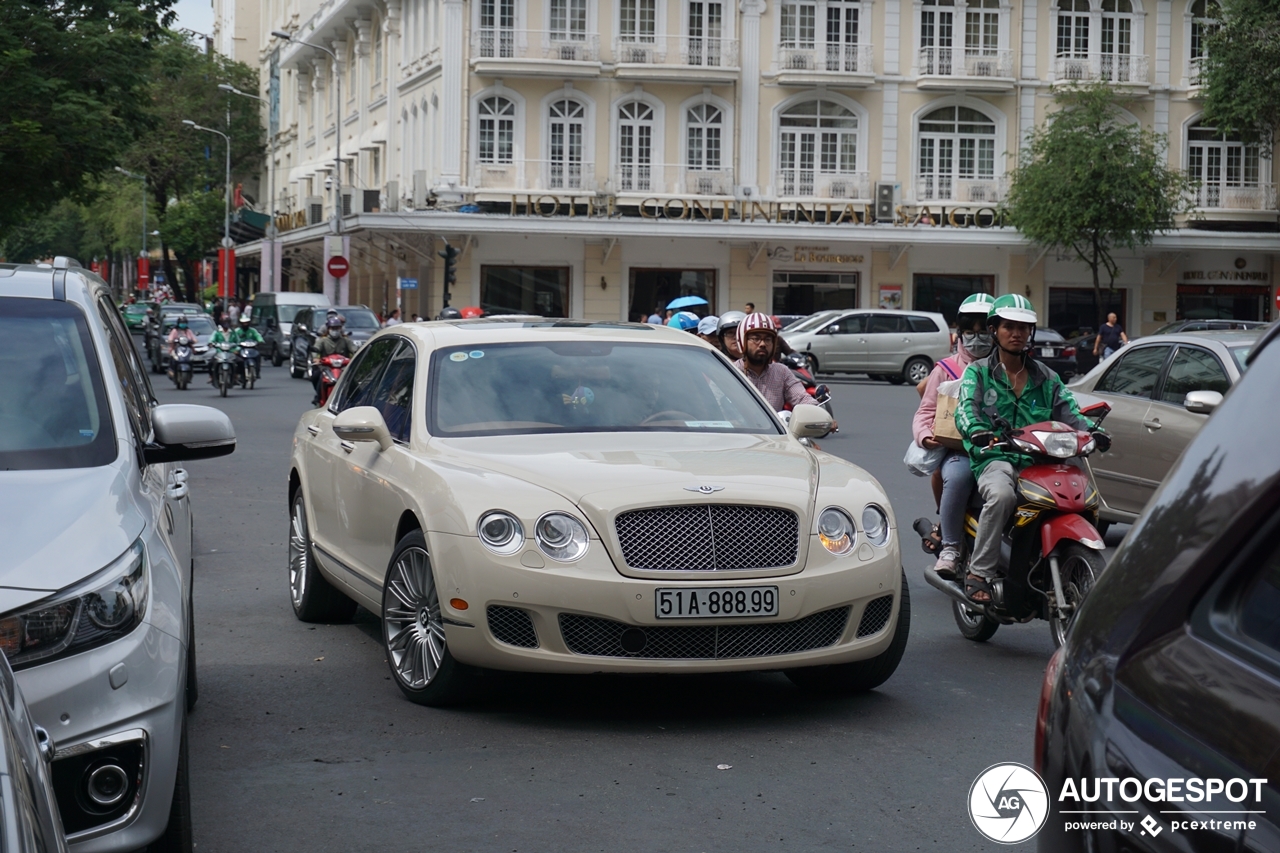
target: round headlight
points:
(500, 532)
(561, 537)
(875, 524)
(836, 531)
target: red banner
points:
(226, 272)
(144, 273)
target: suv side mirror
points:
(1202, 402)
(809, 421)
(362, 423)
(184, 432)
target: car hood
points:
(60, 526)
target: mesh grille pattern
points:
(590, 635)
(875, 616)
(708, 538)
(512, 626)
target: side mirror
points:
(1096, 410)
(809, 421)
(184, 433)
(1202, 402)
(362, 423)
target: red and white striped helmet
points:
(756, 322)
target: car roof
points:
(1226, 337)
(528, 329)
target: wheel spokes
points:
(412, 621)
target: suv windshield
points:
(199, 324)
(355, 318)
(585, 386)
(53, 405)
(809, 323)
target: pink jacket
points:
(922, 423)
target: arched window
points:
(704, 132)
(817, 139)
(566, 129)
(1117, 40)
(1227, 171)
(957, 156)
(635, 147)
(495, 130)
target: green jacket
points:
(326, 345)
(236, 335)
(985, 385)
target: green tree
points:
(71, 77)
(1240, 76)
(1088, 184)
(191, 226)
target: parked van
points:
(273, 315)
(894, 345)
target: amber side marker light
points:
(458, 604)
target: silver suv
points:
(898, 346)
(95, 582)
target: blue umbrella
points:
(685, 302)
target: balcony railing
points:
(1105, 67)
(1218, 197)
(964, 190)
(562, 46)
(694, 51)
(1196, 71)
(954, 62)
(847, 58)
(670, 179)
(810, 183)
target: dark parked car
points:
(361, 323)
(1209, 326)
(1085, 359)
(1170, 675)
(1055, 352)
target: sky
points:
(194, 15)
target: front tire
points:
(314, 599)
(973, 624)
(293, 370)
(413, 630)
(845, 679)
(1079, 567)
(276, 358)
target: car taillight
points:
(1042, 712)
(1069, 352)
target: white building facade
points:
(597, 158)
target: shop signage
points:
(813, 255)
(408, 284)
(890, 296)
(732, 210)
(1259, 276)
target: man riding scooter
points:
(334, 341)
(244, 331)
(1007, 390)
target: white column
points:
(749, 109)
(1027, 103)
(453, 57)
(391, 76)
(889, 138)
(893, 36)
(1163, 62)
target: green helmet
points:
(977, 303)
(1012, 307)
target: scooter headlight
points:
(1059, 445)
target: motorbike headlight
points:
(836, 531)
(1059, 445)
(875, 524)
(501, 532)
(102, 609)
(202, 348)
(561, 537)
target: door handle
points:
(347, 446)
(177, 488)
(313, 429)
(1152, 424)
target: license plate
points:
(701, 603)
(1046, 352)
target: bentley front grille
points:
(591, 635)
(711, 537)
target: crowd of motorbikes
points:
(232, 364)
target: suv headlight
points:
(102, 609)
(836, 531)
(501, 532)
(875, 524)
(561, 537)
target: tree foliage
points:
(71, 77)
(1240, 76)
(1089, 184)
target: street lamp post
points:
(226, 219)
(271, 180)
(143, 178)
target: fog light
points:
(107, 785)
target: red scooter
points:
(330, 367)
(1051, 550)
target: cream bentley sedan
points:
(568, 496)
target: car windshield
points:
(810, 322)
(198, 324)
(286, 313)
(136, 308)
(53, 405)
(1240, 354)
(356, 318)
(588, 386)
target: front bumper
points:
(593, 588)
(73, 699)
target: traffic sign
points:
(408, 284)
(338, 266)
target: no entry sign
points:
(338, 266)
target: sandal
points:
(975, 586)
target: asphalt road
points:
(301, 742)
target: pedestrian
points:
(751, 308)
(1110, 337)
(393, 319)
(233, 314)
(655, 319)
(415, 318)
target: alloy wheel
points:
(414, 629)
(299, 554)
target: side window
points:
(885, 323)
(394, 394)
(133, 383)
(1135, 374)
(852, 325)
(922, 324)
(1259, 618)
(1193, 369)
(302, 322)
(358, 380)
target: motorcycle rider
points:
(179, 330)
(448, 313)
(758, 341)
(955, 473)
(333, 341)
(244, 331)
(1011, 385)
(727, 330)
